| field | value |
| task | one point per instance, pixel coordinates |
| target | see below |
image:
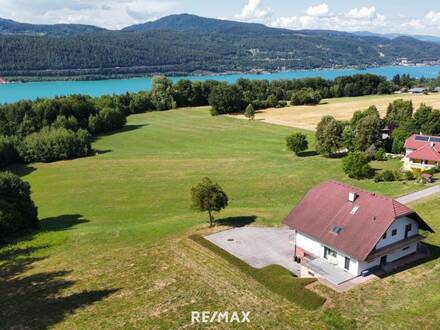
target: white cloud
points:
(362, 13)
(433, 17)
(112, 14)
(321, 17)
(253, 11)
(318, 11)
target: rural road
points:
(419, 195)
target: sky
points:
(385, 16)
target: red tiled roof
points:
(327, 205)
(412, 143)
(427, 152)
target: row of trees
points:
(226, 98)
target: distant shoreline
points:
(96, 77)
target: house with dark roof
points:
(352, 230)
(422, 152)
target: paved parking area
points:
(259, 247)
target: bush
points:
(52, 144)
(378, 177)
(66, 122)
(297, 142)
(306, 96)
(410, 176)
(225, 99)
(18, 214)
(111, 119)
(388, 176)
(282, 104)
(380, 155)
(356, 165)
(107, 120)
(8, 151)
(250, 112)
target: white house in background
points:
(352, 229)
(422, 152)
(418, 90)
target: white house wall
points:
(390, 257)
(398, 224)
(309, 245)
(317, 249)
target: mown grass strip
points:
(276, 278)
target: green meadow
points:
(114, 249)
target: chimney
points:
(352, 197)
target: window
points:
(347, 263)
(394, 232)
(329, 253)
(405, 248)
(408, 229)
(336, 229)
(384, 235)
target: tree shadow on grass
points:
(236, 221)
(125, 129)
(63, 222)
(38, 300)
(309, 153)
(21, 169)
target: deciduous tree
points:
(208, 197)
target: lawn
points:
(307, 117)
(274, 277)
(114, 249)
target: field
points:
(307, 117)
(114, 251)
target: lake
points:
(20, 91)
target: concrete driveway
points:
(259, 247)
(411, 198)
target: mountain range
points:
(187, 43)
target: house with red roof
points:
(422, 152)
(345, 230)
(2, 81)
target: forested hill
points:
(11, 27)
(193, 23)
(186, 43)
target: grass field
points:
(307, 117)
(114, 250)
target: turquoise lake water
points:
(19, 91)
